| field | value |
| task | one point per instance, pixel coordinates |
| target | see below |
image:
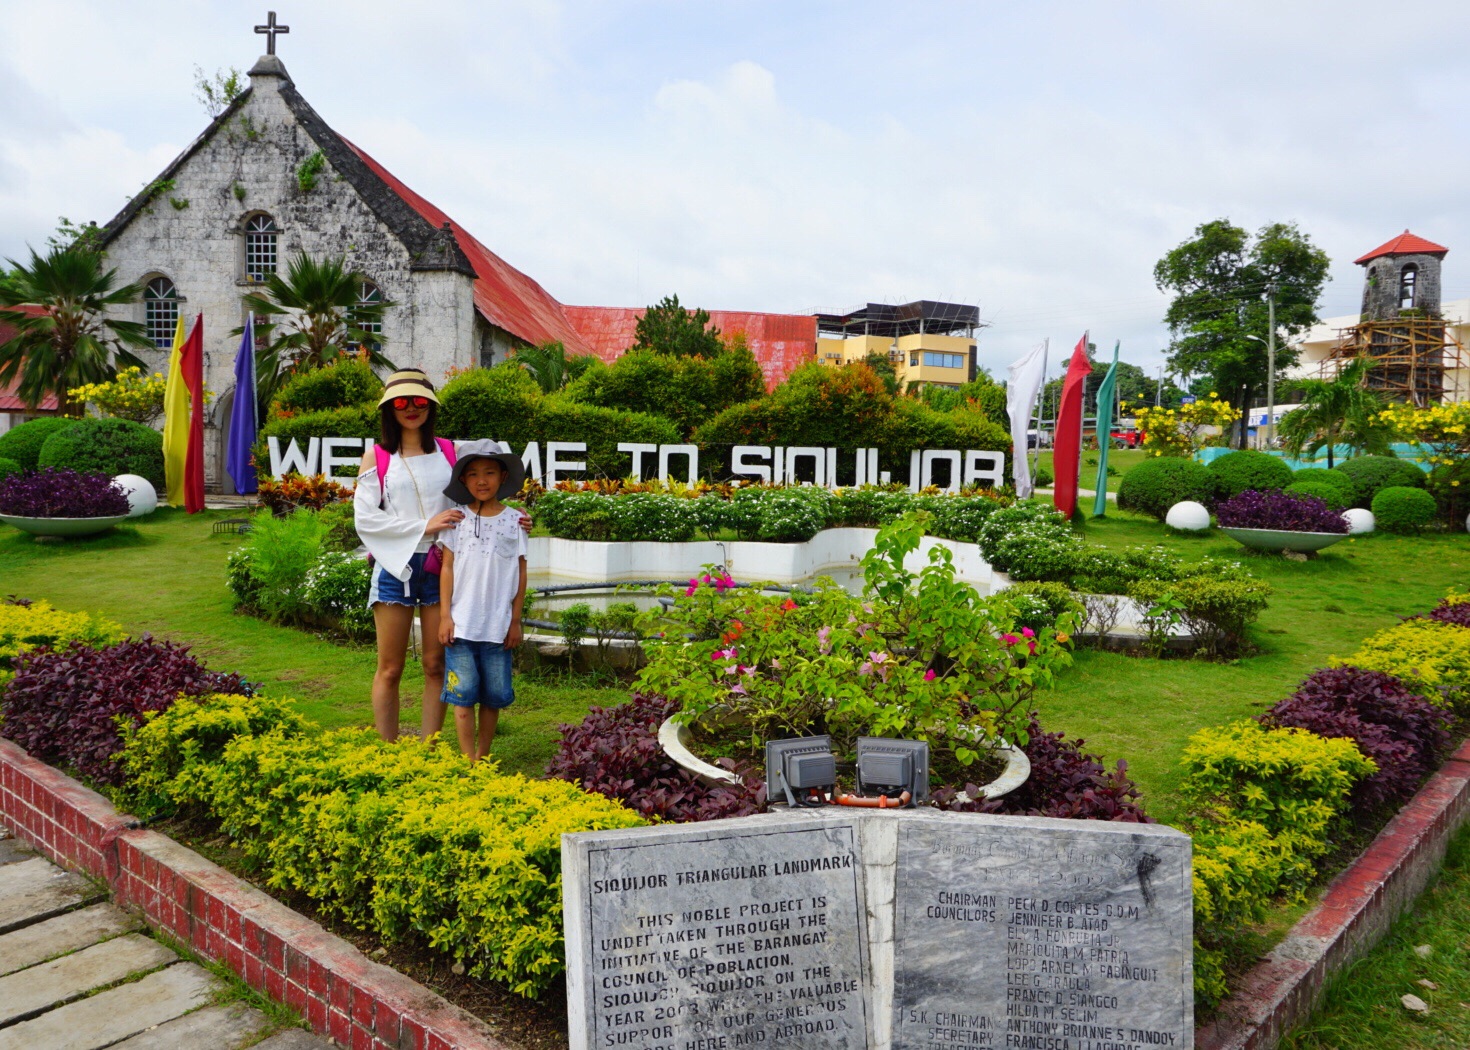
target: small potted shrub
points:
(1280, 521)
(60, 502)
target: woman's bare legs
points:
(433, 657)
(393, 625)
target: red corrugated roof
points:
(503, 295)
(780, 342)
(9, 400)
(1405, 244)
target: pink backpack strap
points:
(381, 455)
(447, 447)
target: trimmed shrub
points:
(792, 515)
(1006, 534)
(1402, 509)
(1065, 782)
(36, 625)
(1327, 493)
(1280, 511)
(1454, 609)
(1215, 609)
(110, 446)
(1372, 474)
(1291, 782)
(1157, 484)
(1430, 657)
(1038, 605)
(9, 467)
(650, 516)
(65, 705)
(337, 588)
(344, 383)
(1343, 483)
(495, 403)
(1449, 484)
(1248, 470)
(23, 443)
(404, 839)
(55, 493)
(615, 752)
(561, 419)
(1402, 733)
(688, 390)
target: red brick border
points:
(1353, 914)
(344, 996)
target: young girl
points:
(483, 587)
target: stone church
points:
(269, 178)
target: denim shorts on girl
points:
(422, 587)
(477, 673)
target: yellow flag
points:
(175, 421)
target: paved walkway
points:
(77, 973)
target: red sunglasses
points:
(401, 403)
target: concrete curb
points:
(345, 997)
(1353, 915)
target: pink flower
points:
(776, 664)
(705, 578)
(1010, 639)
(878, 658)
(733, 669)
(1027, 632)
(929, 675)
(865, 668)
(738, 690)
(824, 640)
(693, 586)
(1033, 647)
(724, 654)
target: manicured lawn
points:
(1120, 460)
(1145, 710)
(1362, 1010)
(166, 575)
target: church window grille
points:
(160, 311)
(368, 297)
(260, 248)
(1408, 279)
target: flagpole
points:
(1033, 455)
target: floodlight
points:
(804, 770)
(890, 767)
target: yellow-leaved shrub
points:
(405, 838)
(1430, 657)
(26, 627)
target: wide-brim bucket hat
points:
(469, 451)
(407, 382)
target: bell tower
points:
(1401, 279)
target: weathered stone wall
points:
(247, 167)
(1381, 281)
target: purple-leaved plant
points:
(61, 493)
(1279, 511)
(1457, 613)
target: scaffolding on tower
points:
(1415, 359)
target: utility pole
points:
(1271, 364)
(1159, 388)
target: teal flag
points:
(1105, 395)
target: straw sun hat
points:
(407, 382)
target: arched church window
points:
(365, 315)
(260, 247)
(160, 311)
(1408, 279)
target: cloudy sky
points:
(1034, 159)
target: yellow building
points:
(929, 343)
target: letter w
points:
(293, 459)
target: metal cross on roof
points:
(270, 29)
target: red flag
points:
(1066, 457)
(191, 362)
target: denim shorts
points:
(422, 587)
(477, 673)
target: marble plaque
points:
(735, 933)
(1038, 934)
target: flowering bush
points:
(131, 395)
(898, 662)
(1182, 431)
(294, 490)
(61, 493)
(1279, 511)
(614, 751)
(1026, 534)
(65, 705)
(1441, 433)
(1402, 733)
(338, 588)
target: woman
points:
(398, 513)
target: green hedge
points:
(9, 466)
(687, 390)
(1248, 469)
(347, 382)
(1157, 484)
(112, 446)
(23, 443)
(404, 839)
(1372, 474)
(1335, 478)
(354, 421)
(1402, 509)
(1332, 495)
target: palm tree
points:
(327, 318)
(550, 366)
(1336, 410)
(64, 339)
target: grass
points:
(1145, 710)
(1362, 1010)
(165, 574)
(1121, 460)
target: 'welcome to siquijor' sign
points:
(950, 469)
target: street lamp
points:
(1270, 345)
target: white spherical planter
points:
(1359, 521)
(142, 496)
(1188, 516)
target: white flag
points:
(1022, 389)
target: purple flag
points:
(242, 415)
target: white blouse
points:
(413, 493)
